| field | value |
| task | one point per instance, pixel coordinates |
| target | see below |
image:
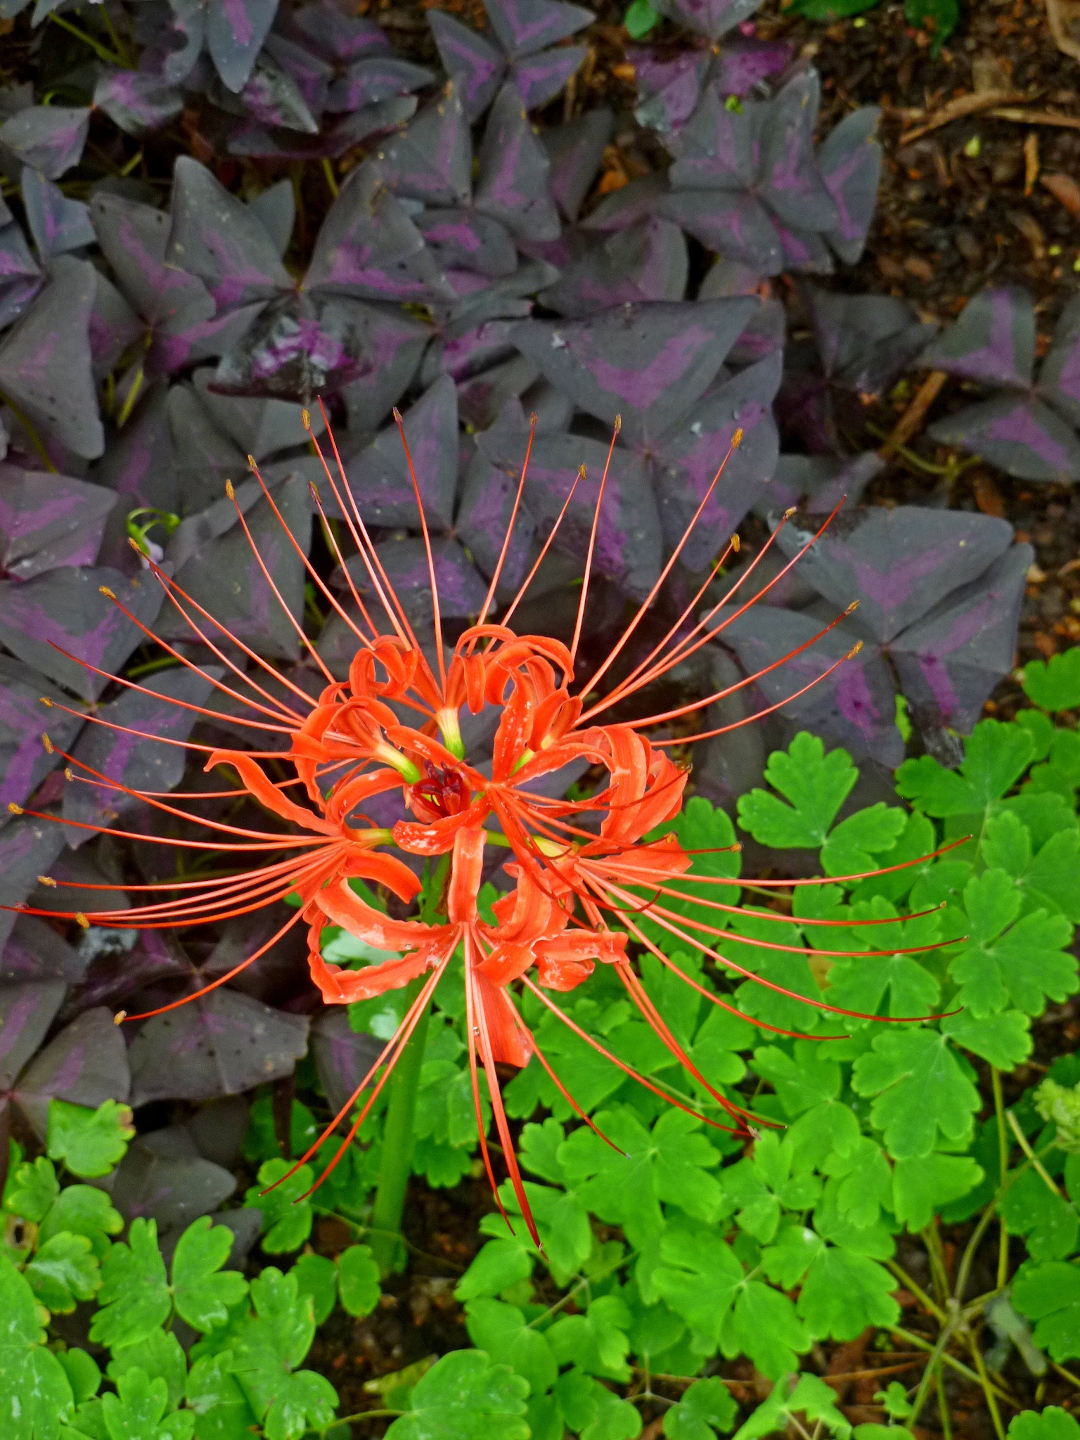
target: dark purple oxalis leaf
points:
(628, 543)
(379, 475)
(35, 951)
(850, 164)
(56, 223)
(431, 159)
(951, 659)
(647, 262)
(472, 61)
(711, 18)
(136, 101)
(45, 364)
(512, 179)
(993, 340)
(372, 79)
(575, 152)
(48, 520)
(28, 848)
(164, 1178)
(48, 137)
(86, 1064)
(647, 362)
(1059, 375)
(896, 563)
(220, 1044)
(215, 564)
(127, 756)
(60, 618)
(668, 88)
(1023, 437)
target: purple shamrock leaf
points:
(541, 77)
(369, 248)
(487, 503)
(647, 262)
(951, 659)
(140, 467)
(502, 299)
(259, 426)
(896, 562)
(23, 721)
(215, 565)
(56, 223)
(338, 37)
(472, 62)
(711, 18)
(272, 96)
(687, 458)
(309, 74)
(791, 184)
(628, 205)
(342, 1057)
(275, 208)
(332, 141)
(27, 1011)
(524, 26)
(136, 101)
(481, 398)
(48, 137)
(735, 225)
(993, 340)
(1059, 376)
(217, 238)
(668, 87)
(392, 343)
(818, 484)
(45, 365)
(850, 165)
(431, 159)
(303, 346)
(512, 179)
(20, 278)
(65, 610)
(49, 520)
(86, 1064)
(856, 705)
(164, 1178)
(35, 951)
(28, 848)
(575, 152)
(804, 250)
(220, 1044)
(1022, 436)
(469, 241)
(235, 31)
(461, 589)
(113, 327)
(865, 341)
(375, 78)
(647, 362)
(464, 352)
(204, 457)
(128, 760)
(744, 63)
(379, 474)
(629, 542)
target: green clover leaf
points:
(64, 1271)
(138, 1410)
(287, 1219)
(134, 1296)
(35, 1394)
(202, 1291)
(271, 1345)
(919, 1089)
(1049, 1293)
(465, 1397)
(33, 1190)
(501, 1330)
(707, 1406)
(923, 1186)
(82, 1210)
(358, 1280)
(159, 1356)
(1054, 684)
(1007, 960)
(90, 1142)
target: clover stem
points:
(398, 1138)
(1003, 1148)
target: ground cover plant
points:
(210, 225)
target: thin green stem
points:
(386, 1240)
(916, 1290)
(33, 436)
(930, 1373)
(1003, 1151)
(951, 1360)
(932, 1240)
(943, 1408)
(1021, 1140)
(101, 51)
(984, 1380)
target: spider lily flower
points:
(587, 874)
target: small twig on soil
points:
(914, 415)
(958, 108)
(1037, 117)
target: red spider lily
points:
(580, 893)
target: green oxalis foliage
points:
(673, 1247)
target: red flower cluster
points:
(585, 873)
